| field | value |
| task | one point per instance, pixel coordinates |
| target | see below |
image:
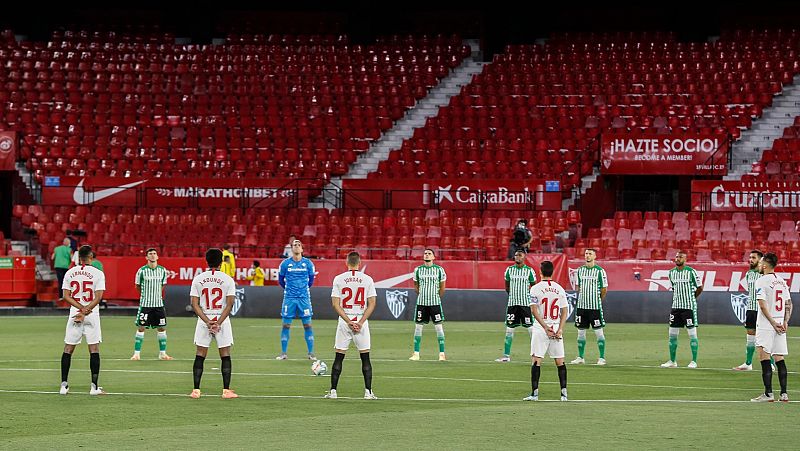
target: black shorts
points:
(750, 319)
(518, 315)
(683, 317)
(426, 313)
(586, 318)
(151, 317)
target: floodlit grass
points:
(468, 402)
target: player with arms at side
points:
(296, 276)
(592, 285)
(429, 282)
(150, 282)
(83, 289)
(774, 312)
(685, 290)
(550, 308)
(519, 280)
(353, 298)
(212, 296)
(752, 309)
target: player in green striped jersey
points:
(685, 290)
(519, 280)
(752, 309)
(429, 281)
(150, 281)
(592, 285)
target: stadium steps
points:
(768, 128)
(586, 183)
(30, 182)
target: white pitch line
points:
(466, 400)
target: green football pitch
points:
(467, 402)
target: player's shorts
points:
(683, 317)
(750, 319)
(586, 318)
(224, 338)
(151, 317)
(772, 342)
(426, 313)
(518, 315)
(345, 335)
(90, 327)
(541, 344)
(296, 308)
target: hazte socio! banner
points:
(654, 154)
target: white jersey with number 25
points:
(550, 298)
(82, 282)
(772, 289)
(353, 288)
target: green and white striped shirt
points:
(752, 275)
(429, 278)
(590, 281)
(684, 283)
(151, 281)
(520, 279)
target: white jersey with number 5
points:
(550, 298)
(213, 288)
(772, 289)
(82, 282)
(353, 288)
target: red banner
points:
(170, 192)
(121, 271)
(718, 195)
(653, 276)
(8, 150)
(454, 194)
(654, 154)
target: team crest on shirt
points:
(238, 300)
(396, 300)
(739, 305)
(573, 277)
(572, 301)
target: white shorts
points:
(224, 338)
(344, 335)
(541, 344)
(772, 342)
(90, 326)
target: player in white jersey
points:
(550, 310)
(774, 312)
(353, 298)
(83, 289)
(212, 295)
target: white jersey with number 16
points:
(213, 288)
(772, 289)
(353, 288)
(550, 298)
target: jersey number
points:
(213, 300)
(778, 300)
(85, 288)
(348, 296)
(553, 311)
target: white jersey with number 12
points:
(213, 288)
(550, 297)
(353, 288)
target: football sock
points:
(536, 371)
(509, 339)
(694, 344)
(66, 360)
(751, 348)
(766, 376)
(162, 341)
(197, 370)
(366, 369)
(94, 366)
(581, 342)
(601, 342)
(309, 334)
(285, 337)
(782, 373)
(771, 360)
(137, 342)
(673, 343)
(440, 336)
(226, 372)
(562, 378)
(337, 370)
(417, 336)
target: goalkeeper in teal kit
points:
(296, 275)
